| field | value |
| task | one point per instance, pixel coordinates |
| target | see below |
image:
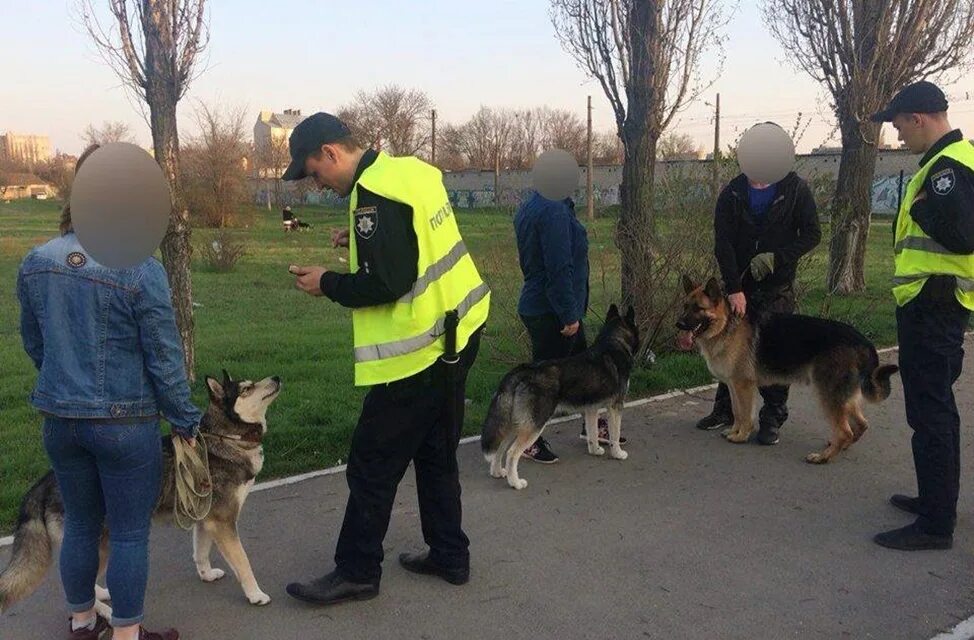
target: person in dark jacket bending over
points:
(760, 233)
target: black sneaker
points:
(768, 435)
(715, 421)
(603, 433)
(539, 452)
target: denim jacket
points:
(104, 340)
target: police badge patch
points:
(366, 221)
(943, 181)
(76, 259)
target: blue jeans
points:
(106, 471)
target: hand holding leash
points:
(570, 330)
(738, 303)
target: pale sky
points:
(316, 54)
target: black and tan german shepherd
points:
(233, 426)
(838, 361)
(529, 394)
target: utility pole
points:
(589, 196)
(433, 140)
(497, 174)
(716, 160)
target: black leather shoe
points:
(332, 589)
(715, 420)
(905, 503)
(768, 435)
(912, 538)
(421, 563)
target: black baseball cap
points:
(312, 132)
(919, 97)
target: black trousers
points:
(774, 411)
(403, 422)
(547, 343)
(930, 330)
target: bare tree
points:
(271, 158)
(153, 46)
(863, 51)
(109, 132)
(676, 146)
(392, 118)
(607, 148)
(527, 137)
(214, 166)
(565, 130)
(645, 55)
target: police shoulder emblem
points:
(76, 259)
(366, 221)
(943, 181)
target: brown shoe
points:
(101, 627)
(168, 634)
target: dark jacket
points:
(790, 231)
(552, 247)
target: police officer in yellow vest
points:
(934, 290)
(410, 267)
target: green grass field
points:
(254, 323)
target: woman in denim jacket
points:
(110, 363)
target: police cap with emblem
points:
(312, 132)
(919, 97)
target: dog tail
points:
(875, 379)
(32, 550)
(499, 419)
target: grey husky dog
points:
(529, 394)
(233, 426)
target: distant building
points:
(271, 133)
(28, 149)
(24, 185)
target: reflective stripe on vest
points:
(917, 255)
(399, 339)
(408, 345)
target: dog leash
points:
(194, 487)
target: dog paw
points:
(498, 474)
(618, 454)
(103, 609)
(518, 484)
(102, 594)
(737, 437)
(210, 575)
(258, 598)
(596, 450)
(726, 432)
(816, 458)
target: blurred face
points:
(329, 170)
(909, 129)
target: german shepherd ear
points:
(712, 290)
(613, 311)
(216, 389)
(631, 316)
(688, 285)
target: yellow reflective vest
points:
(918, 256)
(396, 340)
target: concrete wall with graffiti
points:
(473, 189)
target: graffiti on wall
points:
(885, 193)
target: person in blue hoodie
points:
(552, 247)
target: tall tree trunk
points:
(852, 207)
(161, 96)
(635, 233)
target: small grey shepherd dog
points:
(529, 394)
